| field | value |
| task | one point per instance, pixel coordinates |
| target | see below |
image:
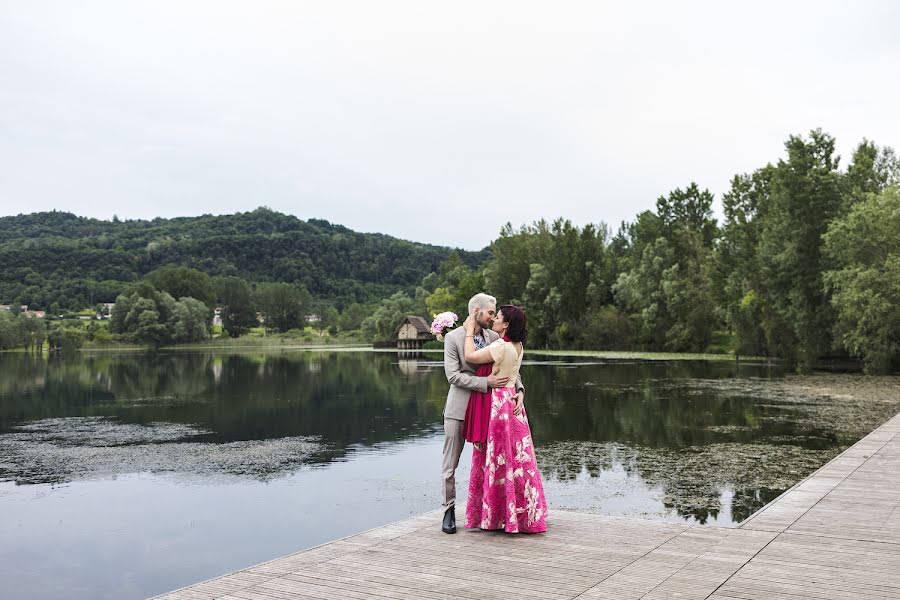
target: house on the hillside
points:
(106, 309)
(413, 333)
(9, 307)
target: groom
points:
(462, 379)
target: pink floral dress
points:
(505, 489)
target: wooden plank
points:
(836, 534)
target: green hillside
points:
(76, 261)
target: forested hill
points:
(70, 260)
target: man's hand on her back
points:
(497, 382)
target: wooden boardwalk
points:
(834, 535)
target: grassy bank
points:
(615, 355)
(623, 355)
(273, 341)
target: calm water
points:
(126, 476)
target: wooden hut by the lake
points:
(413, 333)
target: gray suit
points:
(462, 379)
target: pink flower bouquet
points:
(442, 323)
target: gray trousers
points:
(454, 440)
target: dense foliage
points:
(804, 264)
(863, 250)
(282, 306)
(57, 257)
(30, 333)
(145, 315)
(235, 298)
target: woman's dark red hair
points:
(518, 322)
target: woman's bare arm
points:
(476, 357)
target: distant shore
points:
(337, 345)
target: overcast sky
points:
(431, 121)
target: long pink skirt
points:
(505, 490)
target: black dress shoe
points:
(449, 524)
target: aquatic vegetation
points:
(65, 449)
(813, 418)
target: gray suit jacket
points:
(461, 374)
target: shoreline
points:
(265, 345)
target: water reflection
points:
(695, 431)
(344, 398)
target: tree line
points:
(17, 330)
(804, 264)
(173, 305)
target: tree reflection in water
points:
(690, 428)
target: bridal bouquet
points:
(442, 323)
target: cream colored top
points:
(507, 359)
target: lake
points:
(128, 475)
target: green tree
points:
(328, 318)
(235, 299)
(574, 273)
(871, 170)
(451, 287)
(183, 282)
(543, 303)
(687, 286)
(66, 336)
(282, 305)
(607, 328)
(687, 212)
(440, 300)
(146, 323)
(144, 315)
(687, 290)
(471, 283)
(806, 197)
(34, 332)
(190, 318)
(11, 335)
(740, 289)
(512, 254)
(668, 288)
(640, 293)
(352, 317)
(101, 335)
(863, 253)
(627, 247)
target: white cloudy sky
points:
(432, 121)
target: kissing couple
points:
(486, 406)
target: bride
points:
(505, 490)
